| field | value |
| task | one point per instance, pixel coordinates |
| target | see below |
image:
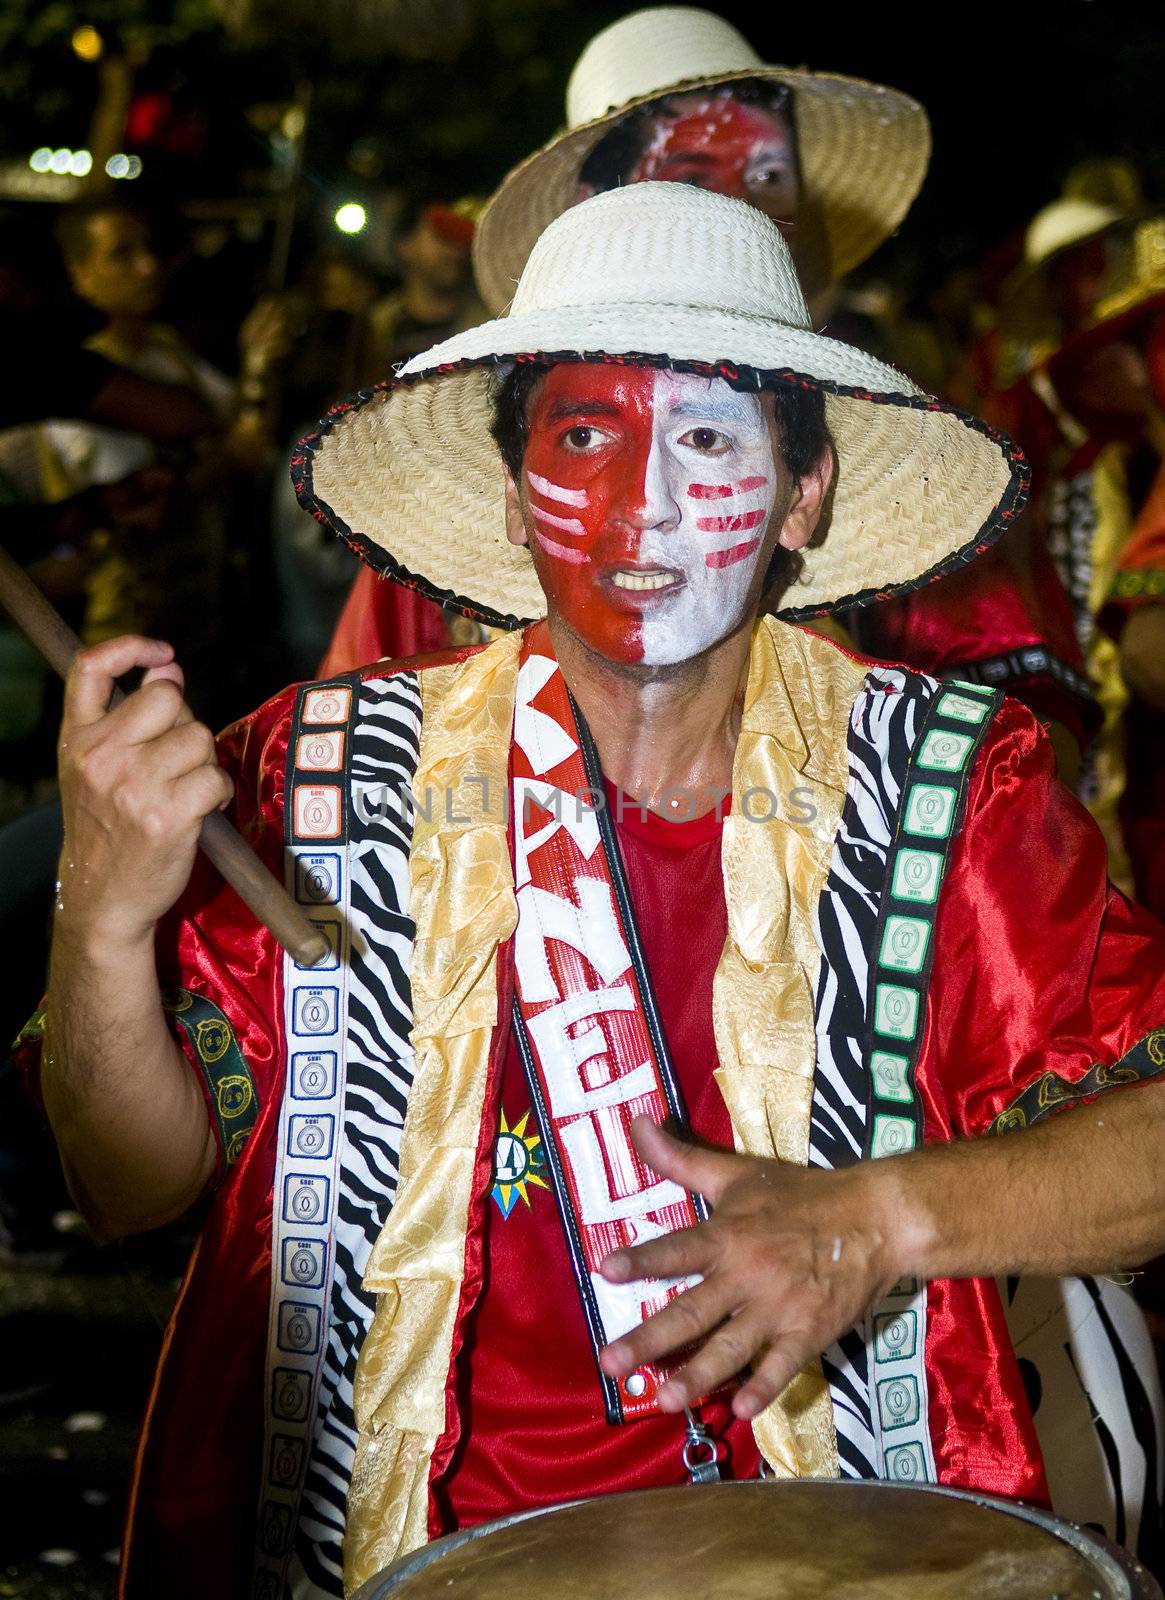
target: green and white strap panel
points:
(929, 816)
(316, 826)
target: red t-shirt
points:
(533, 1427)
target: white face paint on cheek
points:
(724, 501)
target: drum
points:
(772, 1541)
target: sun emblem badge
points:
(519, 1161)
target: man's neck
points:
(663, 729)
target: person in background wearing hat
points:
(676, 93)
(1088, 306)
(652, 854)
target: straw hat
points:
(863, 148)
(670, 276)
(1057, 228)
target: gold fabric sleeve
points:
(462, 902)
(793, 735)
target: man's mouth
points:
(639, 579)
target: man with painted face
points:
(652, 856)
(676, 94)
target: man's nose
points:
(646, 500)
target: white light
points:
(351, 218)
(82, 164)
(60, 161)
(117, 166)
(134, 169)
(41, 160)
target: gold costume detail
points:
(793, 732)
(463, 905)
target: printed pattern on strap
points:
(884, 725)
(577, 958)
(385, 740)
(308, 1151)
(230, 1088)
(933, 799)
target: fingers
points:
(774, 1372)
(706, 1172)
(93, 674)
(675, 1255)
(686, 1318)
(727, 1352)
(153, 710)
(203, 791)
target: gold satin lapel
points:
(793, 736)
(463, 905)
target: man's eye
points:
(708, 441)
(583, 438)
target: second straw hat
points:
(863, 148)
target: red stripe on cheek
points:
(740, 524)
(746, 485)
(711, 491)
(729, 558)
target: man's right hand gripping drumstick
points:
(136, 783)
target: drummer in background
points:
(676, 93)
(830, 912)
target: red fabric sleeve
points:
(1042, 966)
(210, 943)
(382, 620)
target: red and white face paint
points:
(714, 141)
(647, 498)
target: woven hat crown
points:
(653, 50)
(656, 244)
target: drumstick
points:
(48, 632)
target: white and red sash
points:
(585, 1018)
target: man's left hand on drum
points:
(790, 1258)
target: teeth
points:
(644, 580)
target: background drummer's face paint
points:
(646, 498)
(714, 141)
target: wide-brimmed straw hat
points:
(664, 275)
(863, 148)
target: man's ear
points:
(810, 493)
(515, 523)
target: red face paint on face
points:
(620, 464)
(717, 143)
(586, 469)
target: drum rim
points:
(1128, 1578)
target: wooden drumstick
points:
(48, 632)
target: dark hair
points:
(802, 433)
(72, 225)
(616, 153)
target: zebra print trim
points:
(385, 748)
(884, 725)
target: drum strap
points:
(588, 1028)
